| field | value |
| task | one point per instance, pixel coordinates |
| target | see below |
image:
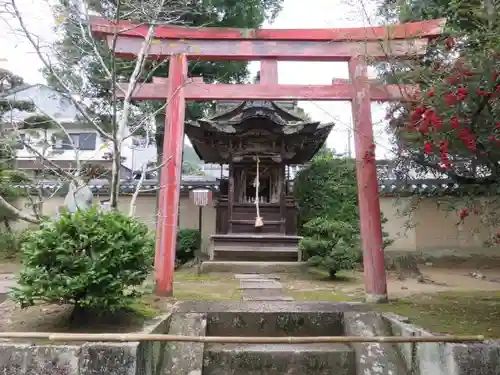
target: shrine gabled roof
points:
(233, 111)
(266, 117)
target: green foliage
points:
(330, 244)
(327, 187)
(188, 241)
(11, 243)
(90, 259)
(327, 198)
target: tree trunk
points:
(6, 223)
(115, 177)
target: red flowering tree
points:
(453, 129)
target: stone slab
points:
(86, 359)
(374, 358)
(274, 324)
(274, 359)
(257, 280)
(444, 359)
(246, 276)
(185, 357)
(39, 360)
(107, 358)
(272, 307)
(267, 298)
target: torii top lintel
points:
(255, 44)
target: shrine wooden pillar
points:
(366, 172)
(168, 210)
(230, 198)
(283, 189)
(283, 198)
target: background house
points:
(51, 142)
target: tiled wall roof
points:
(387, 187)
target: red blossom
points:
(436, 121)
(427, 147)
(450, 98)
(431, 93)
(452, 80)
(483, 92)
(467, 139)
(454, 122)
(445, 165)
(464, 212)
(462, 93)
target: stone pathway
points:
(256, 287)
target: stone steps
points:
(256, 255)
(253, 267)
(278, 359)
(255, 247)
(273, 359)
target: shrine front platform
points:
(251, 247)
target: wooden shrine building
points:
(258, 139)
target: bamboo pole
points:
(128, 337)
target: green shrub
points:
(330, 245)
(11, 242)
(188, 241)
(327, 187)
(326, 195)
(90, 259)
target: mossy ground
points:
(460, 313)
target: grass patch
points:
(192, 275)
(322, 295)
(461, 313)
(190, 286)
(316, 274)
(206, 295)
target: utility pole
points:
(349, 138)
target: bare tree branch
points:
(144, 172)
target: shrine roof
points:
(261, 121)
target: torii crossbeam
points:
(352, 45)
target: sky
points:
(17, 55)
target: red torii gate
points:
(352, 45)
